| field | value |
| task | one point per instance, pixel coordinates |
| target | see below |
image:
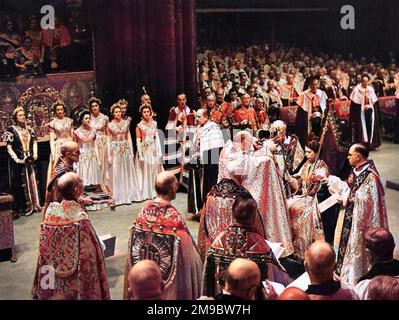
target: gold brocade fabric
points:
(99, 124)
(305, 219)
(62, 130)
(217, 214)
(369, 211)
(306, 225)
(309, 175)
(265, 185)
(262, 180)
(70, 247)
(66, 212)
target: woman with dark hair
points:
(61, 130)
(306, 223)
(88, 166)
(149, 152)
(99, 122)
(123, 176)
(22, 151)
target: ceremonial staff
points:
(325, 128)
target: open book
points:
(328, 203)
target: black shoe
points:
(196, 217)
(16, 216)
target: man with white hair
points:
(208, 142)
(69, 155)
(289, 154)
(214, 112)
(217, 212)
(261, 178)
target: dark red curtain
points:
(147, 43)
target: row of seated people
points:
(284, 76)
(36, 51)
(256, 65)
(256, 108)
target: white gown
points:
(149, 151)
(99, 123)
(123, 176)
(62, 130)
(88, 167)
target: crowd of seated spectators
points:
(250, 68)
(28, 50)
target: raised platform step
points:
(393, 185)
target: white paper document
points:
(276, 248)
(302, 282)
(328, 203)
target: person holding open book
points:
(304, 215)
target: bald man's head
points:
(166, 185)
(70, 152)
(320, 261)
(242, 279)
(145, 281)
(293, 293)
(70, 186)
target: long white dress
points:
(149, 151)
(88, 167)
(62, 130)
(123, 175)
(99, 123)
